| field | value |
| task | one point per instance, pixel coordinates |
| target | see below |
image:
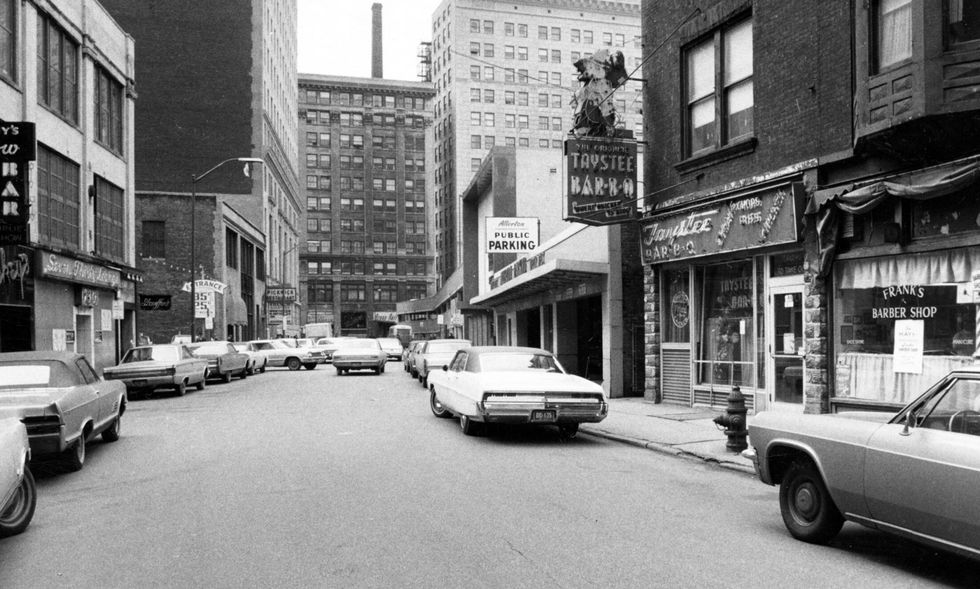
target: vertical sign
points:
(601, 187)
(17, 147)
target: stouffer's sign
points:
(756, 220)
(155, 302)
(601, 187)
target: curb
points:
(669, 450)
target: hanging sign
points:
(17, 147)
(601, 187)
(511, 235)
(204, 285)
(150, 302)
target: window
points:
(522, 76)
(543, 55)
(476, 142)
(704, 130)
(893, 33)
(488, 50)
(522, 53)
(475, 164)
(542, 143)
(109, 215)
(555, 79)
(231, 248)
(728, 351)
(386, 293)
(58, 198)
(488, 27)
(489, 141)
(488, 96)
(509, 120)
(556, 101)
(475, 118)
(509, 52)
(522, 122)
(475, 72)
(108, 110)
(488, 119)
(576, 36)
(587, 37)
(351, 292)
(523, 142)
(57, 69)
(522, 98)
(488, 72)
(607, 39)
(542, 123)
(521, 30)
(620, 40)
(555, 56)
(556, 123)
(509, 75)
(154, 243)
(324, 139)
(474, 48)
(543, 33)
(509, 29)
(325, 183)
(962, 21)
(311, 181)
(556, 33)
(543, 100)
(509, 97)
(475, 95)
(8, 39)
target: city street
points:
(308, 479)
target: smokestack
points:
(376, 53)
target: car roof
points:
(67, 357)
(479, 350)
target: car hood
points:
(537, 382)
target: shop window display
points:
(727, 349)
(902, 323)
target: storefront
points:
(729, 298)
(903, 256)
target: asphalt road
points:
(308, 479)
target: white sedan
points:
(18, 495)
(508, 384)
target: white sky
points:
(335, 36)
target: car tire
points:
(293, 364)
(181, 388)
(203, 383)
(111, 433)
(243, 374)
(309, 366)
(437, 408)
(262, 370)
(250, 369)
(806, 506)
(567, 431)
(74, 457)
(226, 377)
(469, 427)
(19, 513)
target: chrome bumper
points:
(503, 409)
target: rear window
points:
(518, 362)
(35, 374)
(160, 353)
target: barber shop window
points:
(962, 21)
(892, 30)
(719, 91)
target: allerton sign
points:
(510, 235)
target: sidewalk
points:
(672, 429)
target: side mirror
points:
(909, 419)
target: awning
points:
(924, 184)
(236, 312)
(552, 275)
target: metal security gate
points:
(675, 370)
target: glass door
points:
(787, 368)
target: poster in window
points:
(907, 356)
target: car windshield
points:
(144, 354)
(40, 373)
(518, 361)
(304, 343)
(445, 347)
(215, 348)
(361, 344)
(390, 341)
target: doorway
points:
(787, 369)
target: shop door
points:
(786, 366)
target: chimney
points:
(376, 53)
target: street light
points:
(248, 161)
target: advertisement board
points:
(511, 235)
(601, 187)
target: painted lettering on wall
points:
(14, 270)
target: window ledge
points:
(731, 151)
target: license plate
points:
(546, 415)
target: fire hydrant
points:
(734, 421)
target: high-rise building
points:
(218, 82)
(366, 154)
(504, 74)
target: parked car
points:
(256, 361)
(18, 495)
(279, 354)
(914, 474)
(62, 402)
(317, 351)
(147, 368)
(408, 355)
(359, 354)
(434, 354)
(392, 346)
(511, 384)
(224, 361)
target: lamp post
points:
(248, 161)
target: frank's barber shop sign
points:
(601, 187)
(17, 147)
(758, 219)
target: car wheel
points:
(203, 383)
(293, 363)
(437, 408)
(262, 370)
(243, 374)
(19, 513)
(181, 388)
(470, 427)
(111, 434)
(75, 456)
(381, 368)
(250, 369)
(567, 431)
(226, 377)
(309, 366)
(807, 508)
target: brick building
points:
(865, 118)
(67, 267)
(209, 94)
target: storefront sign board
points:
(738, 223)
(203, 305)
(601, 187)
(57, 266)
(909, 338)
(511, 235)
(151, 302)
(18, 146)
(277, 293)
